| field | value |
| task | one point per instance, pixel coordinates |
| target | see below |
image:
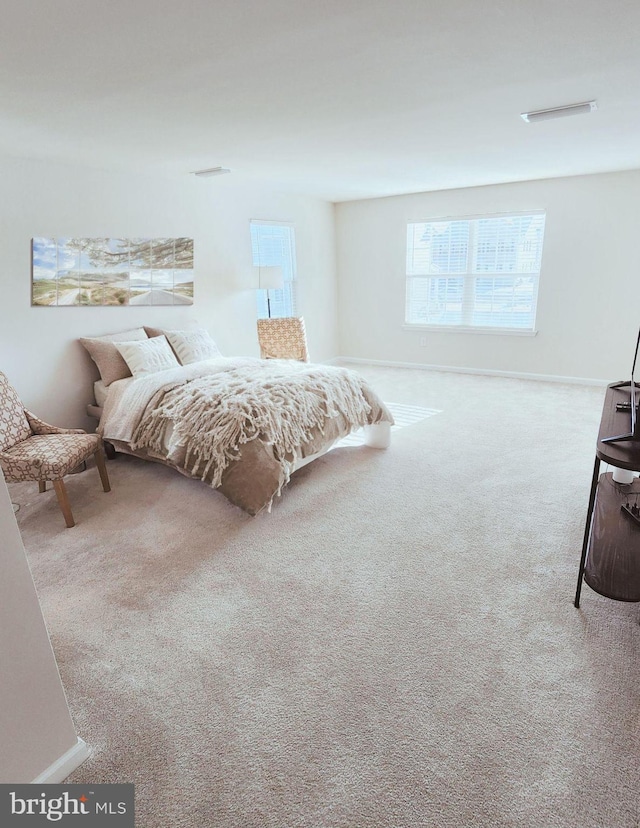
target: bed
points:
(241, 425)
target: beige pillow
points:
(192, 346)
(188, 346)
(148, 356)
(106, 356)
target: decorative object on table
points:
(270, 278)
(283, 338)
(632, 509)
(31, 449)
(117, 272)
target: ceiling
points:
(341, 99)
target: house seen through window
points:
(273, 245)
(474, 273)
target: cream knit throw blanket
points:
(281, 403)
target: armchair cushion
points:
(47, 457)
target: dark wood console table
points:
(610, 561)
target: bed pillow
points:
(148, 356)
(192, 346)
(189, 346)
(106, 356)
(151, 332)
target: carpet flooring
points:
(395, 645)
(403, 416)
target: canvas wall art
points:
(111, 272)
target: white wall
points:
(36, 730)
(38, 345)
(589, 299)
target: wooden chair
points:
(31, 449)
(283, 338)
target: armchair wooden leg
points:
(42, 486)
(102, 468)
(63, 500)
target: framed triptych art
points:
(111, 272)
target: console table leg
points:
(587, 529)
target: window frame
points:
(469, 276)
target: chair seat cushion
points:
(47, 456)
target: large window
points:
(273, 244)
(477, 273)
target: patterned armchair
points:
(283, 338)
(31, 449)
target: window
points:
(273, 243)
(474, 273)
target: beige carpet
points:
(394, 646)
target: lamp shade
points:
(270, 278)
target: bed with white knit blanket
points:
(241, 425)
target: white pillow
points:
(192, 346)
(148, 356)
(103, 352)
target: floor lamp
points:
(270, 278)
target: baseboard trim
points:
(64, 766)
(482, 371)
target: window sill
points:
(469, 329)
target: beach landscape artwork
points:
(113, 272)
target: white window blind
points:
(273, 243)
(476, 273)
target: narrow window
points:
(273, 244)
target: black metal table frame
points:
(622, 452)
(587, 528)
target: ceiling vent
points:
(211, 171)
(559, 112)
